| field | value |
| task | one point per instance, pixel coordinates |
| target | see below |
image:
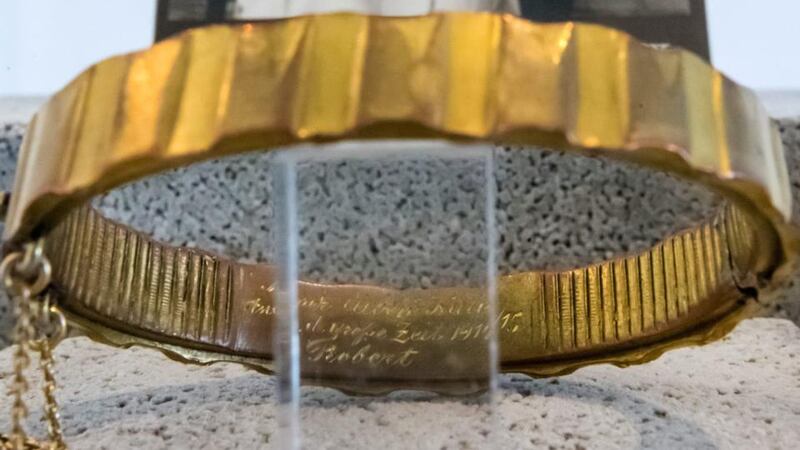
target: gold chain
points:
(51, 406)
(39, 327)
(19, 384)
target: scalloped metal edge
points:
(701, 335)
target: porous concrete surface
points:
(785, 302)
(10, 140)
(739, 393)
(360, 219)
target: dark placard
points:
(174, 16)
(680, 23)
(677, 22)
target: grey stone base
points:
(739, 393)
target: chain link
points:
(19, 384)
(51, 405)
(40, 325)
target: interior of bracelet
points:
(159, 287)
(555, 210)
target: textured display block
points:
(738, 393)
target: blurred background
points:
(44, 43)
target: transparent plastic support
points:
(260, 9)
(386, 280)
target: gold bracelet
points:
(230, 89)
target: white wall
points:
(44, 43)
(757, 42)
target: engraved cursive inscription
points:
(367, 332)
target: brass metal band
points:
(462, 76)
(125, 288)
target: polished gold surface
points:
(463, 76)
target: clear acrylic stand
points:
(385, 276)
